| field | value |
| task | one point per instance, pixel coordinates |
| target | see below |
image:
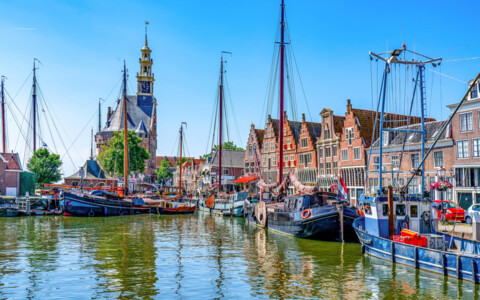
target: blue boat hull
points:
(456, 264)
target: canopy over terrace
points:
(244, 179)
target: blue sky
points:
(82, 45)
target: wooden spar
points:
(220, 126)
(181, 146)
(4, 131)
(125, 130)
(282, 58)
(391, 223)
(34, 107)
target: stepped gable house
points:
(141, 114)
(270, 151)
(254, 146)
(356, 139)
(307, 165)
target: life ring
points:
(306, 214)
(57, 196)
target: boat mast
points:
(181, 147)
(4, 132)
(34, 109)
(282, 58)
(125, 130)
(220, 126)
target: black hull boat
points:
(83, 205)
(315, 216)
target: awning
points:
(244, 179)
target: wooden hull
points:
(9, 212)
(463, 264)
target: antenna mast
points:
(4, 131)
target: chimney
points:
(285, 116)
(303, 118)
(349, 105)
(252, 126)
(109, 113)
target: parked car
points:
(450, 210)
(470, 210)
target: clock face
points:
(145, 87)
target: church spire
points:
(146, 41)
(145, 77)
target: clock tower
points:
(145, 77)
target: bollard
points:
(476, 226)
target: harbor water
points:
(194, 257)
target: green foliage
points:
(183, 161)
(225, 146)
(111, 159)
(46, 166)
(162, 172)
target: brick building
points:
(10, 170)
(466, 133)
(232, 168)
(94, 176)
(141, 114)
(328, 148)
(307, 166)
(254, 146)
(400, 159)
(269, 151)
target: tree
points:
(46, 166)
(162, 172)
(183, 161)
(225, 146)
(111, 159)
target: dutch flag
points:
(342, 189)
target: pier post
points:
(391, 226)
(27, 200)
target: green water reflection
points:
(194, 257)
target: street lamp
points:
(441, 173)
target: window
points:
(415, 160)
(225, 172)
(246, 167)
(386, 138)
(250, 151)
(476, 147)
(254, 149)
(335, 168)
(305, 158)
(326, 132)
(328, 169)
(320, 153)
(462, 149)
(344, 154)
(395, 162)
(292, 157)
(349, 135)
(327, 152)
(466, 123)
(264, 162)
(304, 142)
(376, 163)
(356, 153)
(474, 92)
(285, 158)
(438, 159)
(272, 147)
(274, 160)
(320, 166)
(334, 151)
(285, 131)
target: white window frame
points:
(467, 127)
(476, 148)
(344, 154)
(304, 142)
(394, 160)
(417, 160)
(464, 149)
(435, 160)
(357, 149)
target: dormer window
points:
(474, 92)
(386, 138)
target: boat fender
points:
(57, 196)
(426, 216)
(306, 214)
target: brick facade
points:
(254, 146)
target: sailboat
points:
(178, 205)
(399, 226)
(310, 213)
(220, 202)
(80, 203)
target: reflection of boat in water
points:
(316, 216)
(9, 210)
